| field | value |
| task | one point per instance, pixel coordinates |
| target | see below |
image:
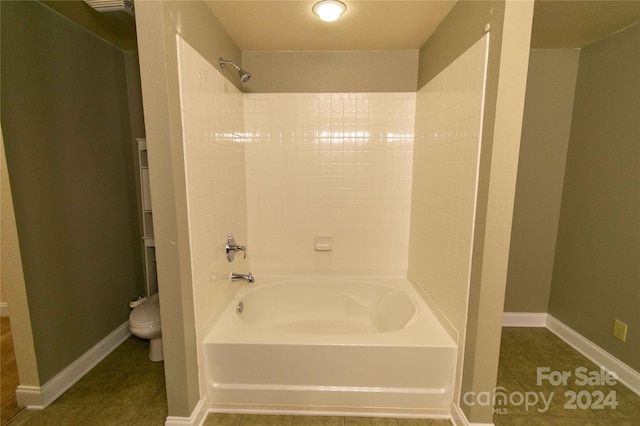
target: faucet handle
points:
(232, 247)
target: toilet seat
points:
(146, 316)
(144, 322)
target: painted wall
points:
(331, 71)
(462, 28)
(3, 296)
(334, 165)
(596, 274)
(509, 25)
(68, 143)
(443, 202)
(158, 24)
(213, 134)
(543, 151)
(466, 25)
(119, 31)
(12, 278)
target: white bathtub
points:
(329, 345)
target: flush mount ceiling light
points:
(329, 10)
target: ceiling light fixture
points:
(329, 10)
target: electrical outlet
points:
(620, 330)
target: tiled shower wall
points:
(445, 171)
(213, 128)
(329, 165)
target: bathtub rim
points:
(404, 337)
(353, 296)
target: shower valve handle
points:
(232, 247)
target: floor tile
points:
(54, 415)
(215, 419)
(369, 421)
(128, 389)
(109, 415)
(151, 416)
(160, 398)
(523, 351)
(265, 420)
(318, 421)
(525, 421)
(422, 422)
(136, 389)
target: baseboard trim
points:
(4, 309)
(39, 397)
(459, 419)
(197, 417)
(29, 397)
(626, 375)
(457, 416)
(524, 319)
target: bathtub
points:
(328, 345)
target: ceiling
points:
(277, 25)
(366, 25)
(267, 25)
(560, 24)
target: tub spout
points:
(241, 277)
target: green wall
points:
(158, 24)
(331, 71)
(67, 134)
(467, 22)
(596, 276)
(548, 107)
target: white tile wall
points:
(445, 168)
(283, 168)
(329, 165)
(213, 134)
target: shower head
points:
(244, 76)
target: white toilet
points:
(144, 322)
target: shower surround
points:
(278, 170)
(334, 164)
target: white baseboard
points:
(457, 416)
(30, 397)
(4, 309)
(197, 417)
(459, 419)
(39, 397)
(524, 319)
(626, 375)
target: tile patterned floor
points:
(127, 389)
(8, 373)
(124, 389)
(265, 420)
(522, 351)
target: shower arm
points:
(223, 63)
(244, 76)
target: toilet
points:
(144, 322)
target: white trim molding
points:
(197, 417)
(457, 416)
(459, 419)
(39, 397)
(524, 319)
(626, 375)
(30, 397)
